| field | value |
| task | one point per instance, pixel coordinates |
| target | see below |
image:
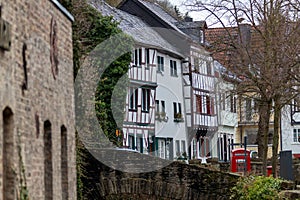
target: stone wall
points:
(296, 170)
(174, 181)
(36, 88)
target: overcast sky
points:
(195, 15)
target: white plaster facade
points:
(290, 131)
(170, 128)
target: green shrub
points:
(256, 187)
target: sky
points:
(182, 8)
(197, 16)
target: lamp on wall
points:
(150, 140)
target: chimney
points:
(188, 19)
(245, 30)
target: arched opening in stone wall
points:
(8, 155)
(48, 168)
(64, 162)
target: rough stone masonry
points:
(37, 121)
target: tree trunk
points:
(277, 113)
(263, 131)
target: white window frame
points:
(146, 98)
(161, 148)
(133, 98)
(296, 135)
(160, 63)
(173, 68)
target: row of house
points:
(178, 102)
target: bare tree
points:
(259, 44)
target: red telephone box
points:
(238, 159)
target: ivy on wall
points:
(90, 29)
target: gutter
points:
(63, 10)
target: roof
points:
(158, 11)
(195, 24)
(180, 27)
(140, 31)
(222, 39)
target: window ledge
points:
(295, 143)
(160, 72)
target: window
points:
(160, 110)
(161, 148)
(138, 57)
(177, 110)
(209, 105)
(133, 101)
(173, 67)
(201, 36)
(163, 107)
(270, 137)
(248, 109)
(222, 98)
(8, 176)
(204, 147)
(255, 106)
(224, 146)
(139, 144)
(209, 68)
(48, 169)
(194, 148)
(183, 146)
(147, 57)
(198, 103)
(177, 147)
(160, 63)
(145, 99)
(232, 103)
(251, 137)
(196, 64)
(295, 106)
(296, 135)
(64, 162)
(157, 106)
(131, 142)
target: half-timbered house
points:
(198, 72)
(154, 88)
(227, 113)
(290, 127)
(170, 126)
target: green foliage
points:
(79, 167)
(104, 97)
(90, 29)
(256, 187)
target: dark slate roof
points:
(135, 27)
(161, 13)
(179, 26)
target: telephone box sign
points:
(240, 160)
